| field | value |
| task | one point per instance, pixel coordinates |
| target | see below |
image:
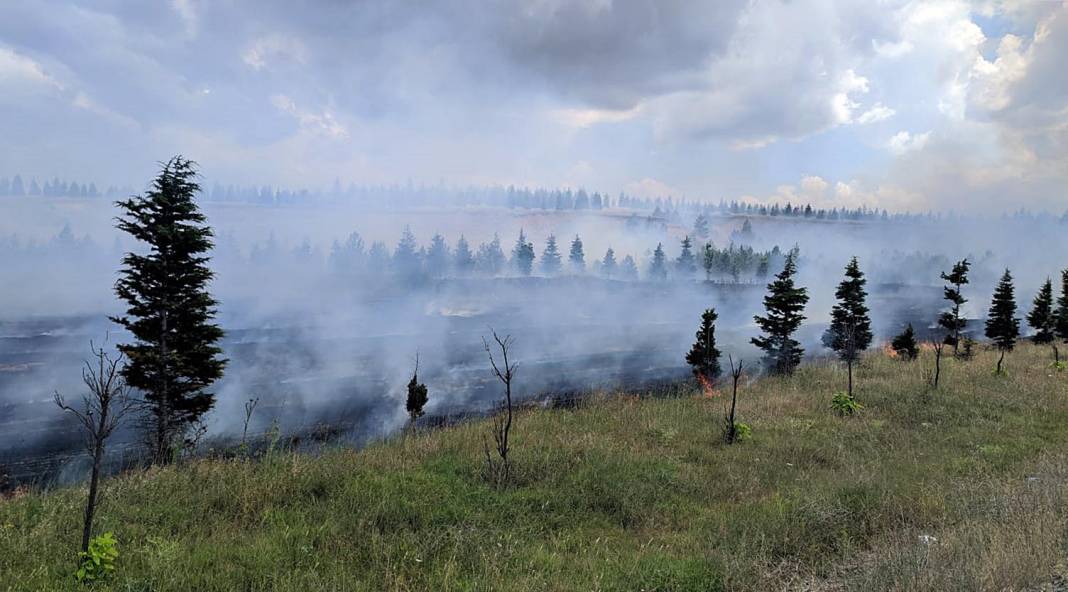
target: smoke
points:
(318, 345)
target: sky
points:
(927, 105)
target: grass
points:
(623, 493)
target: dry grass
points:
(623, 493)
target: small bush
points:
(742, 432)
(99, 560)
(844, 405)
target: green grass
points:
(624, 493)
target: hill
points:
(962, 488)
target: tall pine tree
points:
(951, 320)
(686, 264)
(658, 266)
(1042, 318)
(703, 357)
(1002, 326)
(1060, 324)
(784, 304)
(174, 358)
(577, 257)
(523, 255)
(850, 330)
(550, 257)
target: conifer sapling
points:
(1002, 326)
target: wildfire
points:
(889, 351)
(708, 388)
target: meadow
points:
(960, 488)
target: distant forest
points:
(400, 197)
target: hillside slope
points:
(624, 493)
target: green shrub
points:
(844, 405)
(742, 431)
(99, 561)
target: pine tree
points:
(703, 357)
(523, 255)
(405, 261)
(1061, 318)
(686, 264)
(417, 394)
(463, 260)
(1002, 327)
(628, 270)
(784, 304)
(951, 320)
(174, 358)
(1042, 318)
(550, 257)
(608, 264)
(850, 330)
(700, 227)
(577, 258)
(658, 267)
(490, 259)
(437, 257)
(905, 344)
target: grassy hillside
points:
(624, 493)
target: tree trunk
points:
(1001, 359)
(938, 365)
(1056, 354)
(849, 367)
(90, 504)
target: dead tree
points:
(102, 410)
(250, 406)
(939, 347)
(736, 374)
(499, 469)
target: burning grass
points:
(965, 488)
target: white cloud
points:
(323, 123)
(16, 68)
(188, 13)
(903, 142)
(583, 118)
(877, 112)
(274, 48)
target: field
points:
(961, 488)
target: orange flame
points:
(708, 388)
(889, 351)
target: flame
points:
(889, 351)
(708, 388)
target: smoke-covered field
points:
(325, 335)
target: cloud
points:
(274, 47)
(322, 123)
(16, 69)
(651, 188)
(903, 142)
(877, 112)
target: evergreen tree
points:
(951, 320)
(174, 358)
(417, 395)
(406, 262)
(850, 330)
(784, 304)
(490, 259)
(658, 267)
(703, 357)
(577, 258)
(1061, 317)
(686, 264)
(708, 260)
(1042, 318)
(628, 270)
(523, 255)
(905, 344)
(550, 257)
(700, 227)
(608, 264)
(437, 257)
(463, 260)
(1002, 327)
